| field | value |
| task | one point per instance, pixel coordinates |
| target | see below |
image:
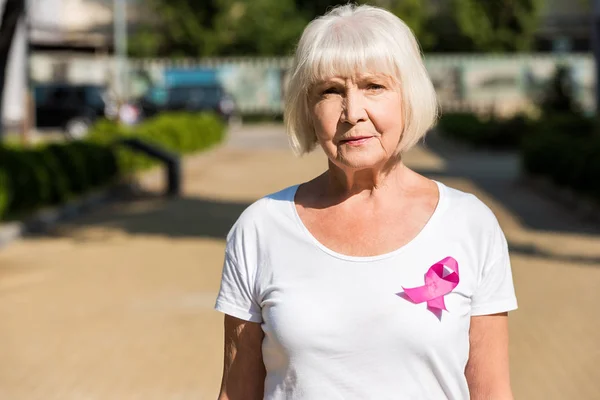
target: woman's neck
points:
(369, 183)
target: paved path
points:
(118, 304)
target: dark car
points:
(72, 108)
(188, 98)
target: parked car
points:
(188, 98)
(74, 108)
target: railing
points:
(170, 160)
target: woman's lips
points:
(356, 141)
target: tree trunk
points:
(13, 10)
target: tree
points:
(497, 25)
(313, 8)
(414, 13)
(176, 28)
(246, 27)
(258, 27)
(218, 27)
(13, 11)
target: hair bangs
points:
(347, 52)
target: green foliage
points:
(563, 147)
(28, 181)
(45, 175)
(566, 148)
(559, 96)
(31, 178)
(312, 8)
(257, 27)
(414, 13)
(191, 28)
(491, 133)
(188, 28)
(178, 132)
(180, 28)
(497, 25)
(4, 192)
(445, 32)
(57, 176)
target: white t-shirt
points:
(335, 326)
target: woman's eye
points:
(331, 90)
(375, 86)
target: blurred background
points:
(135, 132)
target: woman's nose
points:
(354, 108)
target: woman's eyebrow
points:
(381, 77)
(326, 83)
(332, 79)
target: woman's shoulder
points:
(263, 211)
(468, 207)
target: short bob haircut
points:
(350, 40)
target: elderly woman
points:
(369, 281)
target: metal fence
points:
(503, 84)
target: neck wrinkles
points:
(367, 182)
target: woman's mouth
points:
(356, 141)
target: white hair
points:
(349, 40)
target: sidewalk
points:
(118, 304)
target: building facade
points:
(60, 28)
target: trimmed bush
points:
(558, 96)
(31, 178)
(28, 178)
(4, 192)
(74, 165)
(492, 133)
(566, 148)
(58, 177)
(177, 132)
(563, 147)
(52, 174)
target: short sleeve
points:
(237, 295)
(495, 291)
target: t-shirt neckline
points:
(429, 225)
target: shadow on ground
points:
(532, 250)
(212, 219)
(185, 217)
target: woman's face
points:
(358, 120)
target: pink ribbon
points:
(436, 284)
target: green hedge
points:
(178, 132)
(564, 146)
(51, 174)
(4, 191)
(31, 178)
(567, 150)
(490, 133)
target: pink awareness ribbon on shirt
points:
(437, 285)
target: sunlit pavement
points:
(118, 304)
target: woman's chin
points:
(360, 160)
